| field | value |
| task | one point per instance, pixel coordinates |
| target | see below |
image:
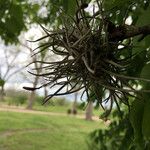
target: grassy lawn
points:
(19, 131)
(63, 109)
(57, 109)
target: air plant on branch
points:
(91, 49)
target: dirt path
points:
(23, 110)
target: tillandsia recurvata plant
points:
(91, 49)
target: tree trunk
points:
(74, 106)
(45, 92)
(31, 99)
(2, 93)
(89, 111)
(45, 95)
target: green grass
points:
(19, 131)
(55, 108)
(63, 109)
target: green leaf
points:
(147, 41)
(65, 5)
(136, 117)
(143, 17)
(13, 23)
(146, 74)
(137, 64)
(121, 3)
(110, 4)
(2, 82)
(146, 71)
(146, 120)
(146, 116)
(70, 7)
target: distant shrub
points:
(59, 101)
(39, 99)
(81, 106)
(15, 97)
(69, 111)
(21, 99)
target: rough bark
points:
(45, 92)
(2, 93)
(74, 106)
(89, 111)
(31, 99)
(127, 31)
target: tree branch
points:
(127, 31)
